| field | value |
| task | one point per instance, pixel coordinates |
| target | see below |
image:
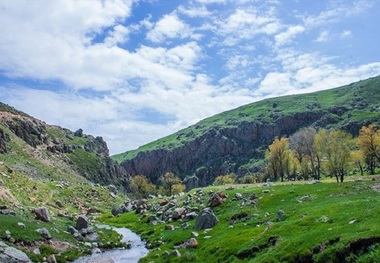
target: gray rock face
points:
(206, 219)
(12, 255)
(42, 214)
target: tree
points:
(224, 179)
(334, 147)
(369, 141)
(168, 182)
(301, 143)
(279, 158)
(358, 159)
(141, 187)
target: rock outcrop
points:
(88, 156)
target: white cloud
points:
(211, 1)
(194, 11)
(170, 26)
(346, 34)
(337, 12)
(323, 36)
(245, 24)
(287, 36)
(119, 35)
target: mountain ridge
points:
(234, 141)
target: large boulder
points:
(42, 214)
(12, 255)
(205, 219)
(82, 222)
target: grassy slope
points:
(40, 178)
(263, 111)
(22, 193)
(316, 227)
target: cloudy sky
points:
(133, 71)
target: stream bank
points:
(131, 255)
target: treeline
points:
(169, 184)
(310, 153)
(307, 154)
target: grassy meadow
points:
(325, 222)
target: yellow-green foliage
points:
(224, 179)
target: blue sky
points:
(134, 71)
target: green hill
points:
(234, 141)
(66, 172)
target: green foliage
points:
(170, 184)
(224, 179)
(141, 187)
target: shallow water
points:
(131, 255)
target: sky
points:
(133, 71)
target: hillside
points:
(50, 177)
(49, 152)
(235, 141)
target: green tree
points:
(301, 143)
(369, 142)
(141, 187)
(168, 181)
(334, 147)
(279, 158)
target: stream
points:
(131, 255)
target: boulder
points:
(12, 255)
(178, 212)
(205, 219)
(82, 222)
(217, 198)
(42, 214)
(44, 233)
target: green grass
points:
(316, 226)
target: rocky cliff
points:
(235, 141)
(48, 151)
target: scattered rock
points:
(170, 227)
(176, 253)
(191, 243)
(178, 212)
(42, 214)
(44, 233)
(206, 219)
(217, 199)
(194, 234)
(21, 225)
(280, 215)
(51, 259)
